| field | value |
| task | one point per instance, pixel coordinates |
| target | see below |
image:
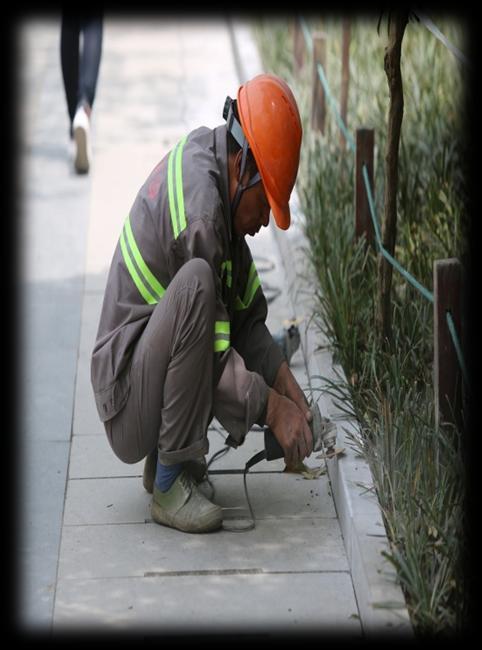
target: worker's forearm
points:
(286, 384)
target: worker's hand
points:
(286, 384)
(290, 427)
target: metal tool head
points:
(323, 430)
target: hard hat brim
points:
(281, 213)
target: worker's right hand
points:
(290, 427)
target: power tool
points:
(322, 429)
(324, 436)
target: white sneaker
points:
(81, 128)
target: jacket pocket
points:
(111, 400)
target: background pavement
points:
(91, 555)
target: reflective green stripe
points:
(150, 279)
(239, 304)
(174, 189)
(220, 345)
(227, 267)
(148, 297)
(252, 277)
(180, 193)
(251, 287)
(248, 298)
(222, 327)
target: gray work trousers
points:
(172, 398)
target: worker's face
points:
(253, 210)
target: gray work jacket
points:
(181, 212)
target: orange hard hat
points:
(271, 122)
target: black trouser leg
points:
(69, 57)
(90, 59)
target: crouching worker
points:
(182, 335)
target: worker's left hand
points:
(286, 384)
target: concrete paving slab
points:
(92, 457)
(129, 165)
(86, 419)
(41, 505)
(273, 495)
(106, 501)
(124, 500)
(260, 602)
(91, 308)
(130, 550)
(147, 75)
(47, 400)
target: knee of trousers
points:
(199, 272)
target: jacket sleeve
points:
(240, 394)
(251, 337)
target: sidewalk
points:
(91, 554)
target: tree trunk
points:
(397, 23)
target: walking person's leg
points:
(69, 59)
(89, 60)
(89, 63)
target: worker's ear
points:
(237, 167)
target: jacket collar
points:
(221, 155)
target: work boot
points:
(184, 507)
(196, 468)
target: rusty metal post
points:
(447, 282)
(318, 109)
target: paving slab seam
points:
(210, 572)
(374, 579)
